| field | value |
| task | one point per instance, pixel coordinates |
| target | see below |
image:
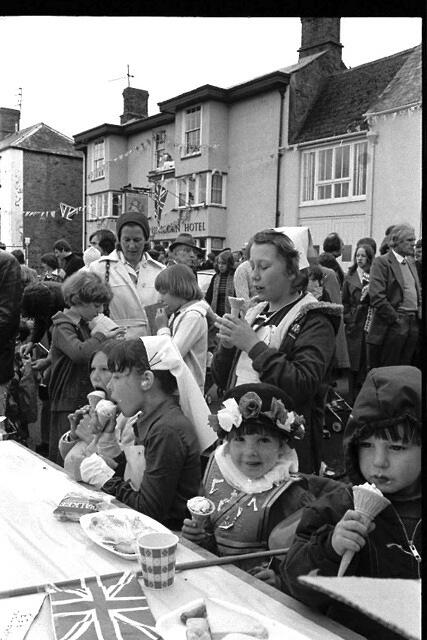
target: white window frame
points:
(160, 148)
(202, 197)
(186, 131)
(311, 183)
(100, 205)
(98, 160)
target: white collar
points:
(399, 258)
(287, 464)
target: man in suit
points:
(395, 295)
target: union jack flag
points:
(102, 608)
(159, 197)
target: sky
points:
(68, 66)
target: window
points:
(106, 205)
(216, 189)
(334, 173)
(98, 160)
(192, 121)
(200, 189)
(160, 142)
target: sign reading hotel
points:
(173, 222)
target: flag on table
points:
(159, 197)
(102, 608)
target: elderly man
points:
(184, 250)
(395, 295)
(131, 273)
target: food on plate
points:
(198, 611)
(120, 532)
(220, 621)
(198, 629)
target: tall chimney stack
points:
(322, 34)
(135, 104)
(9, 121)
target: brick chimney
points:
(322, 34)
(135, 104)
(9, 121)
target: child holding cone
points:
(373, 528)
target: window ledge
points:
(316, 203)
(191, 155)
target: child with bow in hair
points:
(252, 478)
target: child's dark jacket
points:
(387, 552)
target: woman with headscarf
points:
(287, 339)
(130, 272)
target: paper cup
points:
(157, 556)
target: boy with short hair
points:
(382, 445)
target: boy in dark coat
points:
(382, 444)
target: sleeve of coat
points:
(302, 372)
(346, 300)
(165, 454)
(10, 293)
(312, 547)
(65, 338)
(378, 280)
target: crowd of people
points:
(129, 321)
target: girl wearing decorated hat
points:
(252, 477)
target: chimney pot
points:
(9, 121)
(135, 104)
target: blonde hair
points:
(84, 287)
(178, 280)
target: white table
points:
(35, 548)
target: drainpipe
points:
(279, 156)
(372, 141)
(84, 210)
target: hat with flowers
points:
(258, 403)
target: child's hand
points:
(266, 575)
(350, 532)
(41, 364)
(161, 318)
(74, 420)
(118, 333)
(193, 531)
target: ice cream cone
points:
(105, 409)
(236, 305)
(201, 509)
(94, 397)
(368, 501)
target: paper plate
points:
(170, 626)
(110, 528)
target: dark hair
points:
(50, 259)
(42, 300)
(19, 255)
(62, 245)
(369, 241)
(419, 243)
(178, 280)
(227, 257)
(286, 250)
(106, 240)
(315, 273)
(84, 287)
(253, 426)
(132, 354)
(407, 430)
(328, 260)
(24, 330)
(332, 243)
(369, 254)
